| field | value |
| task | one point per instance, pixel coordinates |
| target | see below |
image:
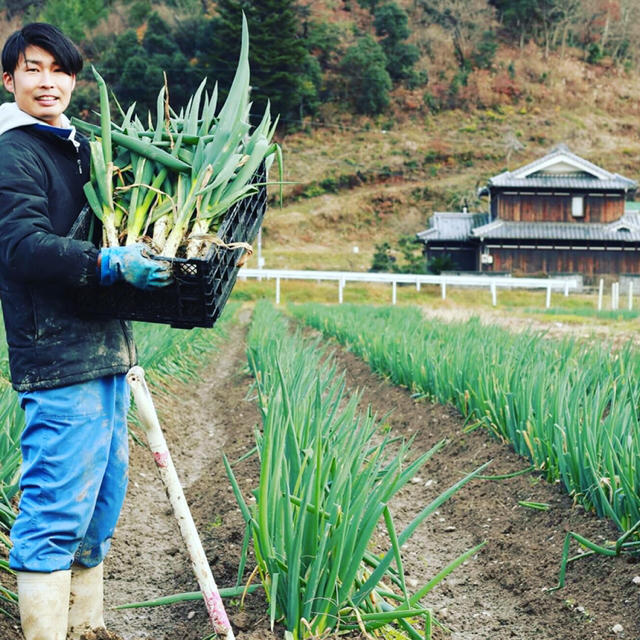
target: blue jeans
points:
(75, 455)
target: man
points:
(69, 371)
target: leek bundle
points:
(171, 183)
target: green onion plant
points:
(173, 181)
(327, 476)
(570, 407)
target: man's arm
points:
(30, 251)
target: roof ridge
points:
(562, 150)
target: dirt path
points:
(498, 594)
(588, 330)
(148, 558)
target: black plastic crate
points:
(200, 287)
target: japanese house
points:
(558, 215)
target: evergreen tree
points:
(276, 53)
(392, 24)
(20, 7)
(441, 263)
(383, 260)
(405, 257)
(322, 39)
(519, 17)
(134, 69)
(368, 4)
(74, 17)
(368, 82)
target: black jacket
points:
(41, 194)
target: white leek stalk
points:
(162, 457)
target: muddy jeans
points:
(74, 474)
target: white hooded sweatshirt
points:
(12, 117)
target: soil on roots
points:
(499, 594)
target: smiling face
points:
(39, 85)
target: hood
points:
(11, 117)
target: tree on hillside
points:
(565, 17)
(134, 68)
(368, 4)
(469, 23)
(74, 17)
(322, 40)
(624, 40)
(610, 27)
(602, 27)
(518, 17)
(392, 25)
(367, 81)
(20, 7)
(548, 22)
(554, 17)
(276, 52)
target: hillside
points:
(362, 183)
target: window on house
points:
(577, 206)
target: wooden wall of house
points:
(533, 261)
(555, 208)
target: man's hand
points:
(129, 264)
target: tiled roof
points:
(626, 229)
(616, 183)
(449, 225)
(562, 169)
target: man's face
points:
(40, 87)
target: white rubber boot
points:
(43, 599)
(86, 611)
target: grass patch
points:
(574, 309)
(587, 312)
(381, 293)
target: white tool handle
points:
(158, 445)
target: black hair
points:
(47, 37)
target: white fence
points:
(615, 295)
(492, 283)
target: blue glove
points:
(129, 264)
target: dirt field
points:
(499, 594)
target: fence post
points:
(277, 290)
(630, 293)
(494, 294)
(443, 287)
(548, 300)
(614, 295)
(417, 285)
(600, 292)
(340, 288)
(393, 292)
(566, 288)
